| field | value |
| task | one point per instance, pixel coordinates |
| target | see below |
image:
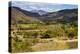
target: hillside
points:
(17, 16)
(66, 15)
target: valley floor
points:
(50, 45)
(39, 37)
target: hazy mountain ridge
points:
(66, 15)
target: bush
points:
(71, 32)
(21, 46)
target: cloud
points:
(42, 6)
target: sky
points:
(49, 7)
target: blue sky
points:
(49, 7)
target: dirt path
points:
(36, 30)
(55, 45)
(74, 40)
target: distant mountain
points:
(40, 12)
(67, 15)
(20, 16)
(28, 13)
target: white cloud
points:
(40, 6)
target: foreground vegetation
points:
(41, 37)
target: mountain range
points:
(19, 15)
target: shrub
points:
(71, 31)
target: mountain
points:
(40, 12)
(28, 13)
(66, 15)
(19, 15)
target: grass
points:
(29, 38)
(47, 45)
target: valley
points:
(38, 31)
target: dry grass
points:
(54, 45)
